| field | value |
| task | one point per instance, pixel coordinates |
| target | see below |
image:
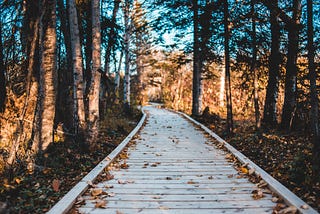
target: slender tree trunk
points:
(222, 87)
(126, 94)
(270, 106)
(196, 86)
(314, 111)
(78, 89)
(3, 93)
(117, 78)
(111, 36)
(227, 68)
(253, 67)
(290, 99)
(65, 103)
(47, 93)
(96, 68)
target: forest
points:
(73, 74)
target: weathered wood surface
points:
(174, 168)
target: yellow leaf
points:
(96, 192)
(244, 170)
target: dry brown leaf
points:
(96, 192)
(56, 185)
(257, 194)
(305, 207)
(289, 210)
(124, 165)
(101, 204)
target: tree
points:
(47, 93)
(196, 86)
(227, 67)
(270, 105)
(3, 93)
(96, 70)
(314, 111)
(126, 91)
(78, 89)
(290, 100)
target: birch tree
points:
(96, 68)
(126, 91)
(78, 89)
(47, 93)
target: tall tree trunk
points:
(222, 87)
(253, 67)
(270, 105)
(64, 98)
(196, 86)
(96, 69)
(290, 99)
(227, 68)
(47, 92)
(314, 111)
(78, 89)
(3, 93)
(111, 36)
(126, 92)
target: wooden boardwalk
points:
(173, 167)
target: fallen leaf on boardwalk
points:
(111, 194)
(210, 177)
(262, 184)
(123, 156)
(118, 212)
(90, 184)
(156, 197)
(257, 194)
(191, 182)
(163, 208)
(154, 165)
(305, 207)
(244, 170)
(288, 210)
(108, 186)
(109, 176)
(80, 201)
(96, 192)
(251, 171)
(230, 176)
(56, 185)
(168, 178)
(275, 199)
(124, 166)
(101, 204)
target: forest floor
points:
(62, 166)
(287, 157)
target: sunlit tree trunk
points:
(270, 106)
(47, 92)
(290, 99)
(126, 92)
(227, 68)
(3, 93)
(253, 67)
(96, 68)
(314, 111)
(78, 89)
(222, 87)
(196, 85)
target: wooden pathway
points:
(173, 167)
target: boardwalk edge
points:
(289, 197)
(67, 201)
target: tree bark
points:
(314, 111)
(47, 94)
(196, 86)
(96, 69)
(290, 99)
(253, 67)
(270, 105)
(126, 54)
(3, 93)
(227, 68)
(78, 89)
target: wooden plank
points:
(65, 204)
(163, 210)
(288, 196)
(184, 204)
